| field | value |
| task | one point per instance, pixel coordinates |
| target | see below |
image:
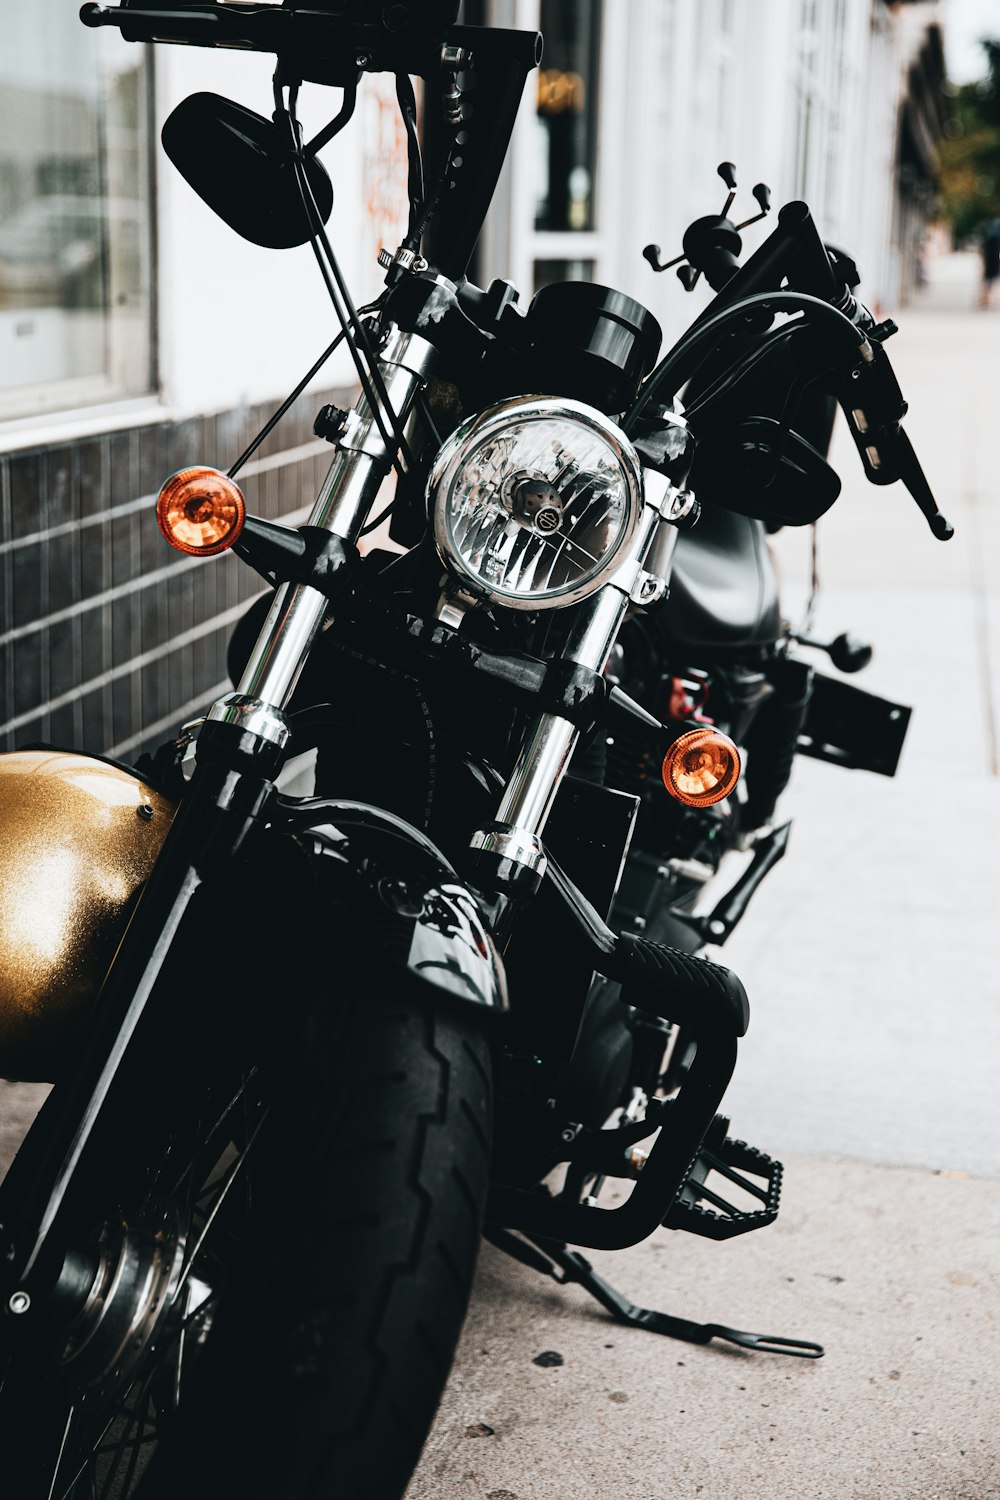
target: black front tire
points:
(331, 1351)
(338, 1270)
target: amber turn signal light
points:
(701, 767)
(201, 511)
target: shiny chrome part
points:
(647, 589)
(660, 557)
(520, 524)
(637, 1157)
(293, 622)
(348, 492)
(454, 604)
(547, 751)
(449, 613)
(409, 260)
(135, 1285)
(77, 849)
(535, 779)
(18, 1303)
(677, 505)
(507, 842)
(197, 1294)
(253, 716)
(189, 753)
(636, 1108)
(687, 869)
(405, 361)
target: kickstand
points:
(565, 1265)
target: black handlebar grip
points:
(202, 25)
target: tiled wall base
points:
(109, 639)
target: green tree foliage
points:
(970, 153)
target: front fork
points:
(298, 610)
(509, 851)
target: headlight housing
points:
(534, 500)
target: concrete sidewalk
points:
(872, 960)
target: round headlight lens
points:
(534, 499)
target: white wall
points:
(240, 323)
(689, 83)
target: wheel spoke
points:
(227, 1183)
(105, 1438)
(62, 1449)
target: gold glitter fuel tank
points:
(78, 838)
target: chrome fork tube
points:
(515, 836)
(297, 613)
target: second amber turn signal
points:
(201, 511)
(701, 767)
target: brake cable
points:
(679, 364)
(293, 395)
(372, 384)
(407, 101)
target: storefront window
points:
(75, 258)
(567, 115)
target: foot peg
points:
(703, 1210)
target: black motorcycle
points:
(305, 1049)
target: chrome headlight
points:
(534, 500)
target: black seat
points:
(723, 592)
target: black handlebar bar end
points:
(941, 527)
(92, 15)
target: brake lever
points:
(874, 406)
(912, 475)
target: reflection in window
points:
(567, 114)
(547, 272)
(74, 221)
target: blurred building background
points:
(138, 334)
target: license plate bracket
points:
(849, 727)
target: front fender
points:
(402, 902)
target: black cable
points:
(729, 379)
(293, 396)
(371, 380)
(425, 412)
(383, 516)
(273, 421)
(360, 332)
(433, 203)
(683, 359)
(406, 99)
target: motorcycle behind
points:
(306, 1050)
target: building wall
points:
(109, 639)
(804, 95)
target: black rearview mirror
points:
(238, 162)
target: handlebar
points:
(261, 28)
(706, 332)
(867, 389)
(323, 45)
